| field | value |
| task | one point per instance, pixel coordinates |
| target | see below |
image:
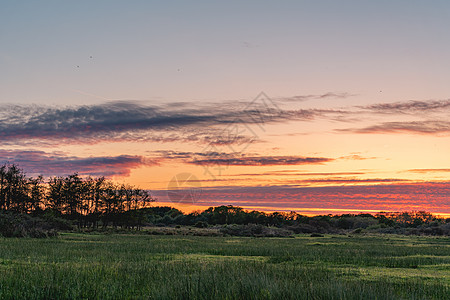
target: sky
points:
(314, 106)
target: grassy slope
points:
(181, 267)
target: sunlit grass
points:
(141, 266)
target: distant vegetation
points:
(37, 208)
(236, 221)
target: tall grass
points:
(77, 266)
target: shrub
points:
(255, 230)
(316, 235)
(20, 225)
(303, 228)
(57, 222)
(201, 224)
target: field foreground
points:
(90, 266)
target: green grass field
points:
(88, 266)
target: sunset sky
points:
(314, 106)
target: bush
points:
(255, 230)
(316, 235)
(357, 230)
(201, 224)
(303, 228)
(57, 222)
(20, 225)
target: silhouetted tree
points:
(36, 194)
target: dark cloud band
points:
(55, 164)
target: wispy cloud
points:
(355, 157)
(349, 180)
(429, 170)
(296, 173)
(190, 122)
(136, 122)
(56, 164)
(412, 106)
(329, 95)
(261, 160)
(237, 159)
(415, 127)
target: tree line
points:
(88, 201)
(228, 214)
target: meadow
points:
(142, 266)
